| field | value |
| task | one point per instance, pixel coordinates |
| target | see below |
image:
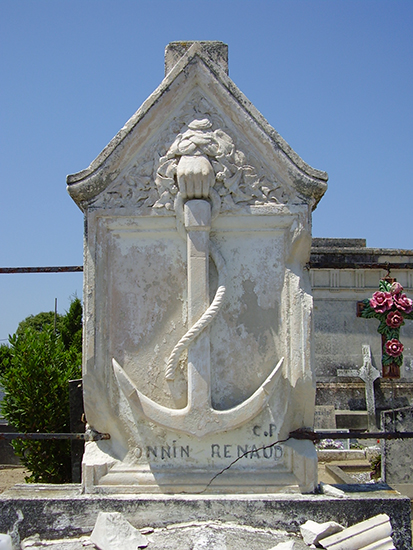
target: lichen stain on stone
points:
(256, 320)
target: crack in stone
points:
(264, 447)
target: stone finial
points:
(217, 51)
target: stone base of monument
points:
(220, 468)
(59, 512)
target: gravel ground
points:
(10, 475)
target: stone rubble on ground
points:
(113, 532)
(312, 532)
(373, 533)
(190, 536)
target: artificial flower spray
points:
(391, 307)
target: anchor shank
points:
(197, 219)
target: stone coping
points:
(335, 258)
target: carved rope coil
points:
(206, 317)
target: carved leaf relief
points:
(200, 162)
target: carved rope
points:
(205, 319)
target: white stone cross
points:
(368, 374)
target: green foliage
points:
(375, 465)
(70, 326)
(5, 356)
(41, 363)
(384, 286)
(368, 312)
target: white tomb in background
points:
(197, 299)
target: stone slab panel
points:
(325, 417)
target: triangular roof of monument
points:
(201, 63)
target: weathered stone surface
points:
(216, 51)
(77, 425)
(325, 417)
(197, 350)
(397, 454)
(196, 535)
(113, 532)
(218, 536)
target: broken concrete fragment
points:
(331, 491)
(371, 534)
(312, 532)
(113, 532)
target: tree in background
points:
(70, 327)
(41, 362)
(39, 322)
(5, 356)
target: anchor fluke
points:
(192, 419)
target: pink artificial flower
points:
(394, 319)
(394, 348)
(396, 288)
(402, 302)
(381, 301)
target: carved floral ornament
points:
(200, 163)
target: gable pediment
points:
(252, 164)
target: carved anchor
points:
(198, 417)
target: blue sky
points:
(333, 77)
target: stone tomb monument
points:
(197, 300)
